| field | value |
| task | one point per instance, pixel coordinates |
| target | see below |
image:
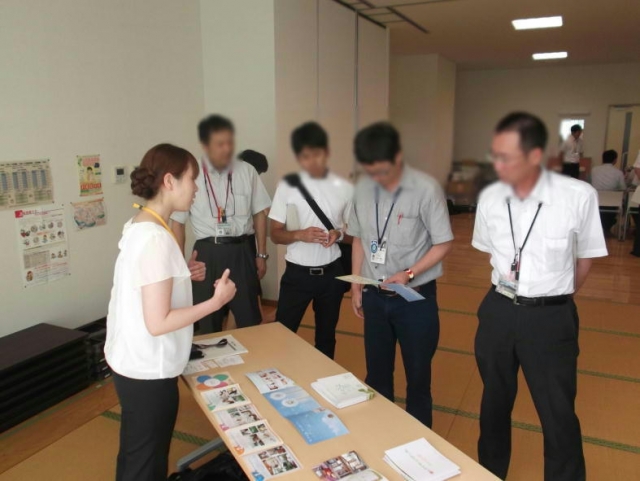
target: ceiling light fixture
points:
(531, 23)
(550, 55)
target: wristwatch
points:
(263, 256)
(410, 274)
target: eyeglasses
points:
(502, 159)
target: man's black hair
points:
(377, 142)
(576, 128)
(309, 135)
(256, 159)
(609, 156)
(532, 131)
(212, 124)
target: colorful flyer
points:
(291, 401)
(253, 437)
(89, 175)
(224, 398)
(272, 462)
(208, 382)
(234, 417)
(89, 214)
(318, 425)
(269, 380)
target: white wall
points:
(238, 56)
(422, 100)
(483, 97)
(84, 77)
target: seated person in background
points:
(636, 183)
(608, 177)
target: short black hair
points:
(256, 159)
(533, 132)
(576, 128)
(377, 142)
(609, 156)
(212, 124)
(309, 135)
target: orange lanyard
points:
(157, 216)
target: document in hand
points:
(420, 461)
(407, 293)
(343, 390)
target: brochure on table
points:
(221, 347)
(348, 467)
(253, 437)
(420, 461)
(343, 390)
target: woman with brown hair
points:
(151, 313)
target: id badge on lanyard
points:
(508, 284)
(378, 247)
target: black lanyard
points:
(515, 266)
(386, 224)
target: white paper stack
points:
(342, 390)
(420, 461)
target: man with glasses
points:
(401, 231)
(229, 221)
(535, 224)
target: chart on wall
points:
(24, 183)
(91, 213)
(89, 175)
(43, 247)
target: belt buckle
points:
(515, 301)
(316, 271)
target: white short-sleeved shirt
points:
(568, 227)
(636, 165)
(247, 197)
(607, 177)
(333, 195)
(148, 254)
(572, 149)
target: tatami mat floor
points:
(78, 439)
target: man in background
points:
(313, 254)
(571, 152)
(229, 221)
(608, 177)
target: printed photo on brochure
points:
(253, 437)
(269, 380)
(224, 398)
(272, 462)
(234, 417)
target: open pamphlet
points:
(225, 398)
(407, 293)
(220, 347)
(239, 416)
(272, 462)
(253, 437)
(269, 380)
(209, 382)
(348, 467)
(420, 461)
(343, 390)
(313, 422)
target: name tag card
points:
(378, 252)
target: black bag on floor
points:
(223, 467)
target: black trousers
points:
(544, 342)
(298, 288)
(416, 326)
(636, 240)
(149, 410)
(571, 169)
(241, 260)
(608, 220)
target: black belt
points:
(313, 271)
(538, 301)
(227, 240)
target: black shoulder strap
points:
(294, 181)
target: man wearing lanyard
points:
(401, 231)
(228, 218)
(535, 224)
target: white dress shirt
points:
(568, 227)
(148, 255)
(246, 197)
(607, 177)
(333, 195)
(636, 165)
(572, 149)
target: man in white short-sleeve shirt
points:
(572, 151)
(229, 220)
(313, 252)
(542, 231)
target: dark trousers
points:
(416, 326)
(608, 220)
(149, 410)
(241, 260)
(571, 169)
(544, 342)
(298, 288)
(636, 240)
